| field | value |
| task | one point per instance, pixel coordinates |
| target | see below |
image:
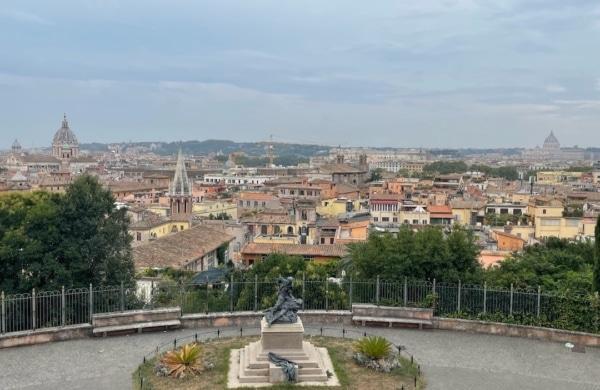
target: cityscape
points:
(216, 253)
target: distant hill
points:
(219, 146)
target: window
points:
(290, 230)
(304, 215)
(415, 221)
(241, 203)
(264, 204)
(395, 219)
(544, 211)
(264, 229)
(375, 219)
(255, 203)
(385, 219)
(138, 236)
(322, 240)
(277, 229)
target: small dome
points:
(64, 135)
(16, 145)
(551, 142)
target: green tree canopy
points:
(49, 240)
(596, 275)
(555, 265)
(425, 254)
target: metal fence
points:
(25, 312)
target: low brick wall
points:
(309, 317)
(371, 310)
(45, 335)
(252, 319)
(530, 332)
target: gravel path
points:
(450, 360)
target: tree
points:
(49, 240)
(596, 276)
(445, 167)
(376, 174)
(96, 243)
(557, 265)
(425, 254)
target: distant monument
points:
(281, 354)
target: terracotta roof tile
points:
(178, 249)
(334, 250)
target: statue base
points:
(250, 366)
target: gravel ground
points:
(450, 360)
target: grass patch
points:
(350, 374)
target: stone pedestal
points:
(250, 366)
(281, 336)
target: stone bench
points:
(136, 321)
(366, 313)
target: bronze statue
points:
(289, 368)
(286, 309)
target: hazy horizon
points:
(432, 74)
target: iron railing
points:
(36, 310)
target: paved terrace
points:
(450, 360)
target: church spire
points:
(181, 183)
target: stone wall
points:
(45, 335)
(316, 317)
(252, 319)
(530, 332)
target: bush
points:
(374, 347)
(184, 361)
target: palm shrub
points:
(373, 347)
(183, 361)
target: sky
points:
(426, 73)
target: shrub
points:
(374, 347)
(183, 361)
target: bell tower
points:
(180, 193)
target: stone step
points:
(312, 378)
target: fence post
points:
(539, 300)
(326, 294)
(152, 294)
(484, 297)
(62, 306)
(433, 300)
(255, 292)
(91, 302)
(377, 291)
(231, 293)
(122, 297)
(3, 328)
(207, 295)
(458, 298)
(33, 309)
(350, 293)
(511, 299)
(303, 290)
(405, 291)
